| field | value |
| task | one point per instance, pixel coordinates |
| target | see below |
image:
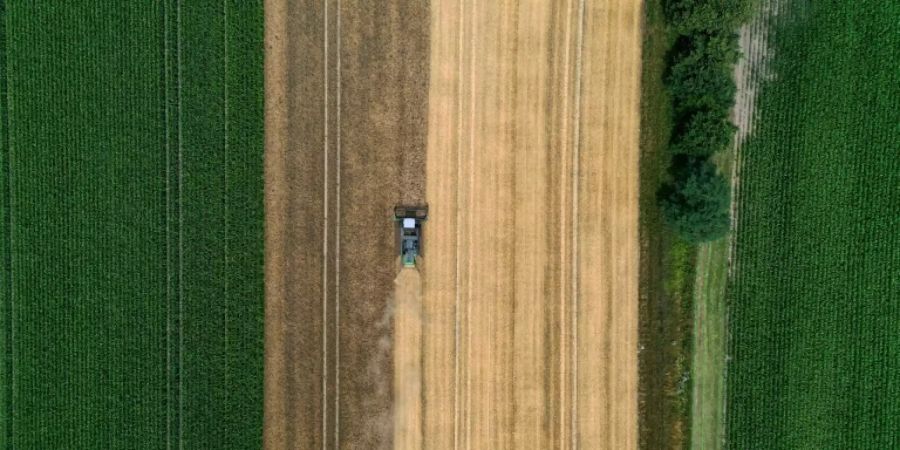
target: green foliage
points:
(700, 83)
(222, 220)
(666, 264)
(134, 252)
(814, 312)
(680, 265)
(692, 16)
(700, 73)
(702, 134)
(696, 203)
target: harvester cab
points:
(409, 232)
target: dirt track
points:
(529, 308)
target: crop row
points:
(135, 224)
(813, 303)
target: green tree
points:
(700, 73)
(691, 16)
(696, 203)
(702, 133)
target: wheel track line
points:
(168, 168)
(618, 140)
(325, 239)
(180, 197)
(566, 199)
(630, 132)
(337, 242)
(576, 174)
(8, 227)
(603, 85)
(613, 82)
(225, 182)
(456, 361)
(470, 201)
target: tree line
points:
(699, 78)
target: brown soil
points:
(295, 188)
(346, 91)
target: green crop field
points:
(131, 148)
(815, 299)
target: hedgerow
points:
(702, 88)
(693, 16)
(696, 203)
(700, 73)
(702, 133)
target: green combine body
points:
(409, 232)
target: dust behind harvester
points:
(409, 229)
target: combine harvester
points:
(409, 232)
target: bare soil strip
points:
(346, 101)
(384, 82)
(506, 268)
(295, 191)
(408, 328)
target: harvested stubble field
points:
(518, 123)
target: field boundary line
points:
(6, 152)
(470, 201)
(563, 196)
(612, 108)
(576, 174)
(569, 48)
